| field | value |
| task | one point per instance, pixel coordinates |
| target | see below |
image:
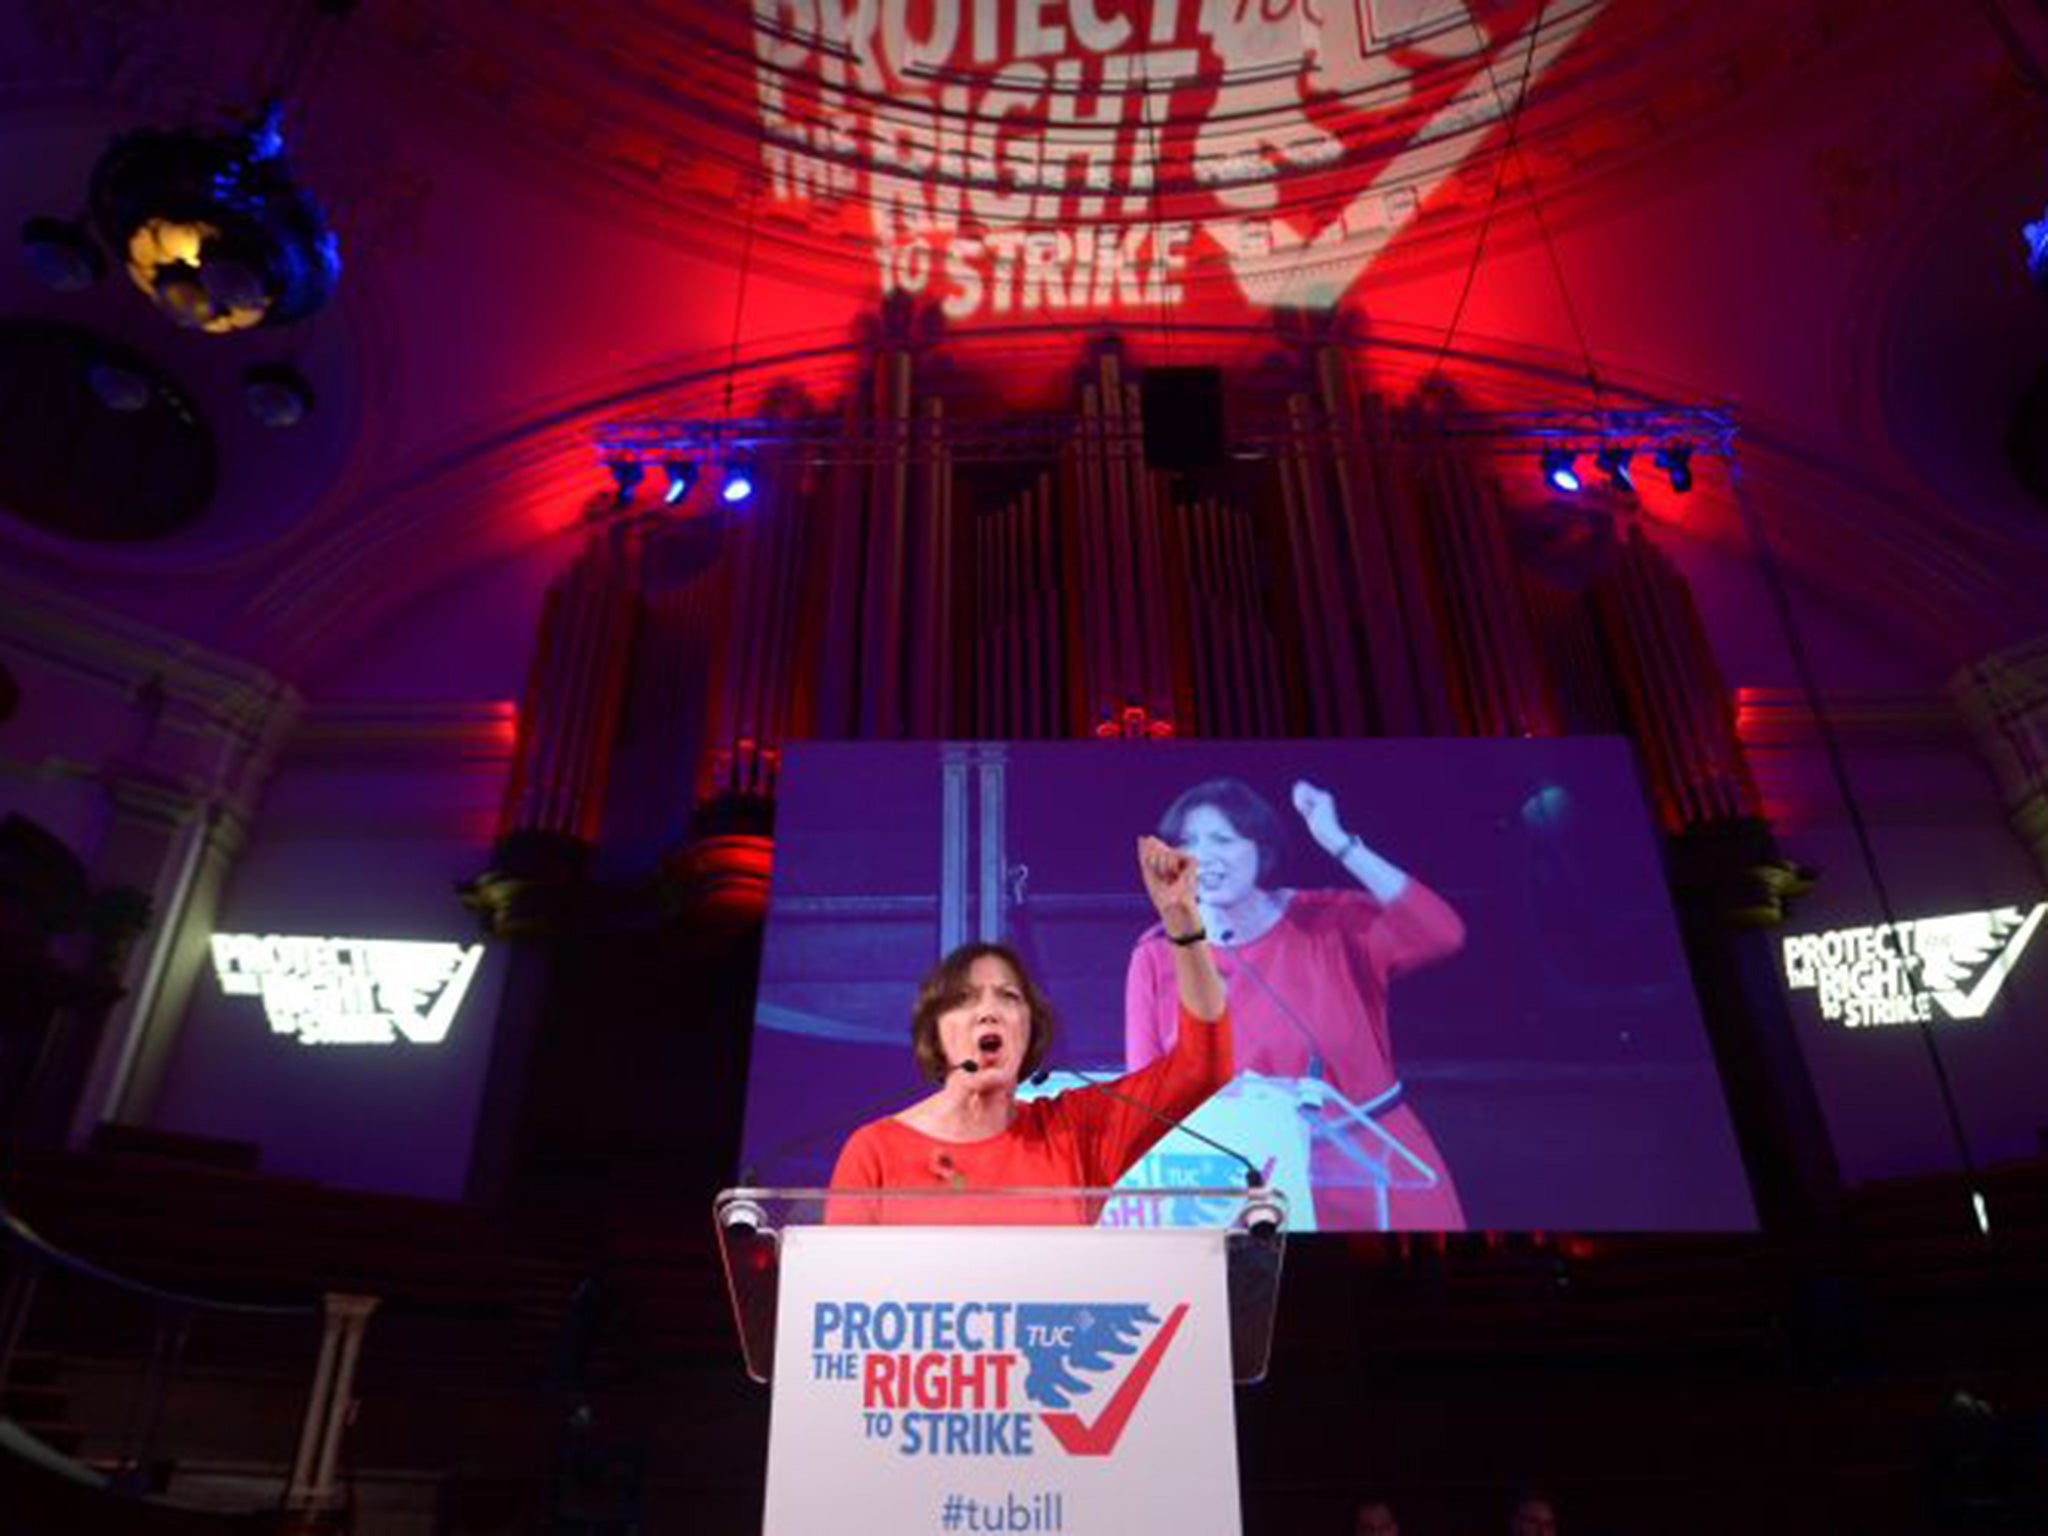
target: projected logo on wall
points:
(1022, 158)
(349, 991)
(1926, 970)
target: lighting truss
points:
(1016, 437)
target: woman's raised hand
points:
(1318, 809)
(1170, 882)
(1169, 877)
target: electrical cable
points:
(1507, 151)
(1564, 292)
(2015, 46)
(1838, 768)
(739, 298)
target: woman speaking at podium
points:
(1307, 974)
(980, 1026)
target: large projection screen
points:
(1508, 1042)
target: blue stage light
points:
(2036, 236)
(682, 475)
(626, 477)
(1675, 459)
(739, 483)
(1559, 472)
(1612, 461)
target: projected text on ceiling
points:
(1033, 156)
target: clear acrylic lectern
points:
(1251, 1225)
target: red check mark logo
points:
(1078, 1436)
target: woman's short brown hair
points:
(945, 986)
(1250, 814)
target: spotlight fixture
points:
(682, 475)
(1612, 461)
(1675, 459)
(119, 387)
(739, 483)
(1131, 722)
(61, 255)
(1559, 472)
(277, 395)
(2036, 237)
(626, 477)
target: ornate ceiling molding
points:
(208, 725)
(1899, 190)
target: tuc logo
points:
(1011, 157)
(1158, 1174)
(1912, 972)
(323, 991)
(983, 1379)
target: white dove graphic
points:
(1948, 949)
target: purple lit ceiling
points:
(554, 216)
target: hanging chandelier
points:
(215, 228)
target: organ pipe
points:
(1676, 706)
(1492, 667)
(1349, 585)
(1390, 596)
(574, 690)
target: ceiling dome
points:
(99, 444)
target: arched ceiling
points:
(552, 215)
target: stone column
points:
(561, 759)
(1729, 878)
(312, 1489)
(162, 750)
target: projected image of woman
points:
(980, 1026)
(1307, 973)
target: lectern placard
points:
(947, 1379)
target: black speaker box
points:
(1183, 413)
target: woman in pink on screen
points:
(1306, 974)
(980, 1026)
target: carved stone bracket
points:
(532, 886)
(1736, 871)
